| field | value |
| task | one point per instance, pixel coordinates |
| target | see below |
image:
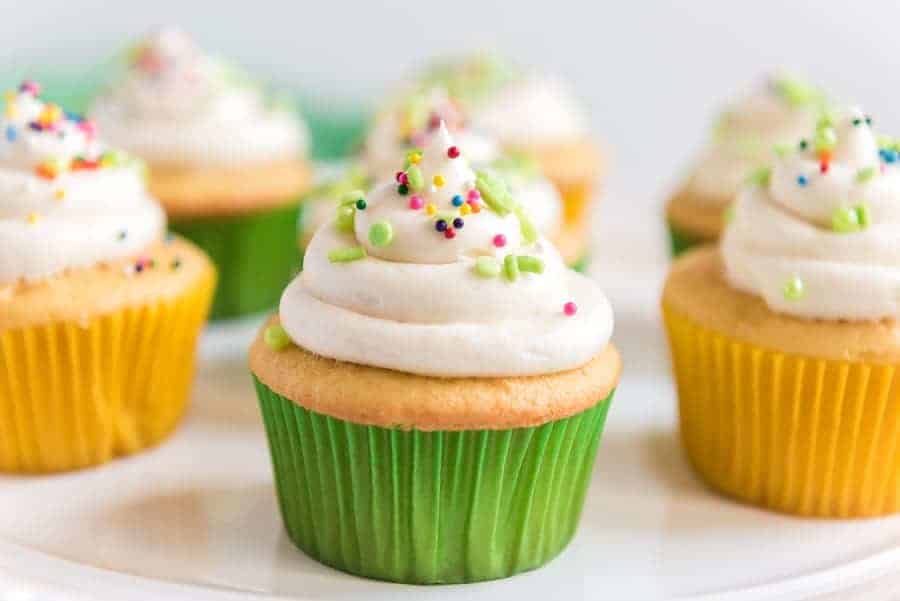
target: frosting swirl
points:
(65, 199)
(778, 110)
(819, 237)
(176, 104)
(441, 273)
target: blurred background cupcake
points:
(99, 312)
(778, 110)
(227, 161)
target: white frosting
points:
(178, 105)
(417, 304)
(76, 219)
(532, 110)
(782, 235)
(747, 131)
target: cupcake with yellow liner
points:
(528, 112)
(407, 127)
(436, 382)
(785, 342)
(99, 313)
(226, 162)
(778, 110)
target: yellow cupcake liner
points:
(77, 394)
(800, 435)
(576, 197)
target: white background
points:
(651, 72)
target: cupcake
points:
(785, 342)
(225, 161)
(778, 110)
(99, 312)
(529, 112)
(408, 127)
(492, 372)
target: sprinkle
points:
(59, 194)
(499, 240)
(527, 229)
(414, 157)
(450, 233)
(570, 308)
(33, 218)
(50, 114)
(802, 180)
(530, 264)
(402, 189)
(175, 265)
(414, 177)
(465, 209)
(511, 268)
(399, 177)
(847, 220)
(346, 217)
(430, 209)
(11, 133)
(474, 195)
(51, 168)
(888, 155)
(458, 223)
(345, 255)
(438, 180)
(824, 166)
(487, 267)
(825, 139)
(457, 201)
(122, 235)
(453, 152)
(12, 110)
(865, 174)
(803, 145)
(440, 225)
(276, 338)
(495, 193)
(416, 202)
(361, 204)
(30, 87)
(381, 233)
(88, 128)
(761, 176)
(793, 289)
(782, 150)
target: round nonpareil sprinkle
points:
(458, 223)
(570, 308)
(457, 200)
(381, 233)
(276, 338)
(416, 202)
(438, 180)
(453, 152)
(499, 240)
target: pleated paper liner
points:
(256, 256)
(429, 507)
(78, 394)
(800, 435)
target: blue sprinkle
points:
(457, 201)
(74, 117)
(11, 133)
(802, 180)
(888, 155)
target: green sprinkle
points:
(782, 150)
(530, 264)
(276, 338)
(381, 233)
(848, 220)
(793, 289)
(761, 177)
(346, 216)
(351, 198)
(495, 193)
(865, 174)
(797, 93)
(416, 180)
(487, 267)
(529, 232)
(825, 138)
(345, 255)
(511, 268)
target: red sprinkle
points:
(823, 167)
(499, 240)
(453, 152)
(449, 233)
(570, 308)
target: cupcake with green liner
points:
(436, 382)
(785, 342)
(99, 310)
(408, 127)
(226, 161)
(776, 111)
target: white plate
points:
(197, 519)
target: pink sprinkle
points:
(398, 176)
(499, 240)
(30, 87)
(89, 128)
(416, 202)
(434, 122)
(570, 308)
(404, 179)
(474, 195)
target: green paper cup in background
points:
(681, 240)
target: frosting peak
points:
(440, 272)
(818, 235)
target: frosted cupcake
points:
(778, 111)
(226, 162)
(527, 112)
(98, 313)
(408, 127)
(785, 343)
(432, 368)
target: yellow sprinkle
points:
(59, 194)
(9, 95)
(12, 110)
(51, 114)
(415, 158)
(465, 209)
(438, 180)
(33, 218)
(430, 209)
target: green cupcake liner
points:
(682, 241)
(256, 256)
(429, 507)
